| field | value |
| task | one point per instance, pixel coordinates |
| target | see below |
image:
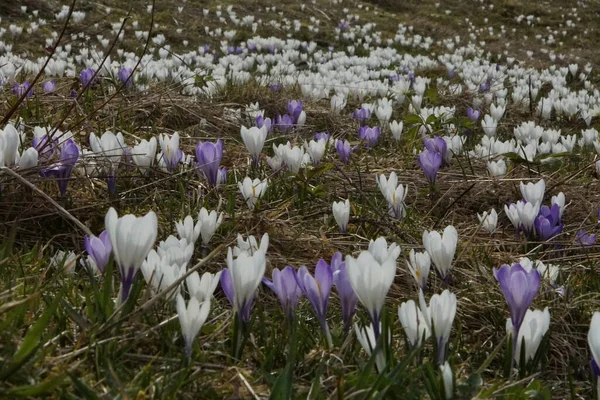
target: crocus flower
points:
(49, 86)
(191, 317)
(586, 239)
(125, 76)
(202, 288)
(294, 109)
(534, 327)
(547, 223)
(341, 213)
(344, 150)
(208, 222)
(533, 192)
(368, 341)
(286, 288)
(317, 290)
(99, 249)
(447, 379)
(28, 159)
(241, 279)
(436, 144)
(143, 154)
(371, 280)
(322, 136)
(254, 140)
(131, 239)
(261, 121)
(344, 289)
(413, 323)
(209, 157)
(489, 220)
(361, 115)
(441, 248)
(284, 122)
(419, 264)
(527, 213)
(369, 135)
(473, 115)
(86, 76)
(110, 146)
(45, 146)
(252, 190)
(187, 230)
(430, 162)
(9, 146)
(69, 154)
(594, 343)
(519, 285)
(20, 89)
(171, 153)
(439, 317)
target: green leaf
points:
(82, 389)
(32, 340)
(282, 389)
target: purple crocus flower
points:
(436, 144)
(45, 147)
(430, 162)
(124, 76)
(294, 109)
(547, 223)
(343, 26)
(519, 286)
(369, 135)
(99, 249)
(69, 153)
(286, 288)
(251, 46)
(322, 136)
(86, 76)
(222, 176)
(261, 121)
(20, 89)
(275, 87)
(348, 298)
(473, 115)
(317, 290)
(394, 78)
(484, 87)
(585, 239)
(209, 158)
(344, 150)
(595, 368)
(49, 86)
(361, 115)
(284, 122)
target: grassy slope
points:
(141, 357)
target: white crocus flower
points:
(143, 154)
(209, 222)
(413, 323)
(441, 248)
(534, 327)
(489, 220)
(132, 239)
(534, 192)
(439, 317)
(252, 190)
(341, 213)
(419, 265)
(254, 140)
(191, 317)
